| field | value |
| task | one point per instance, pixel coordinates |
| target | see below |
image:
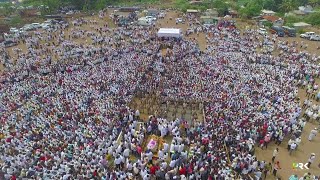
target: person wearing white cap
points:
(311, 159)
(312, 134)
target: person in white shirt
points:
(160, 154)
(292, 147)
(172, 163)
(311, 159)
(126, 153)
(274, 154)
(298, 141)
(312, 134)
(289, 144)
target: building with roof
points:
(211, 12)
(267, 12)
(275, 20)
(209, 20)
(196, 2)
(301, 25)
(233, 13)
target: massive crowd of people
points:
(63, 104)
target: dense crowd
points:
(64, 104)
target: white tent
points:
(170, 32)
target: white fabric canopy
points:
(169, 32)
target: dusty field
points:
(306, 147)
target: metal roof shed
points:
(300, 25)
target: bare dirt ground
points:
(301, 155)
(306, 147)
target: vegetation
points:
(245, 8)
(16, 21)
(313, 18)
(6, 9)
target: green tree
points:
(313, 18)
(270, 5)
(288, 5)
(182, 4)
(15, 21)
(53, 5)
(292, 19)
(100, 4)
(7, 9)
(252, 9)
(314, 3)
(221, 6)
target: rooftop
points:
(267, 11)
(301, 24)
(271, 18)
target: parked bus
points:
(291, 32)
(277, 30)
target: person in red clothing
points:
(153, 169)
(267, 140)
(183, 171)
(276, 167)
(139, 150)
(95, 173)
(261, 142)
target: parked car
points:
(179, 20)
(36, 25)
(70, 13)
(151, 17)
(45, 25)
(189, 30)
(262, 31)
(307, 35)
(14, 30)
(9, 43)
(28, 27)
(315, 38)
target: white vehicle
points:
(315, 38)
(14, 30)
(49, 21)
(151, 18)
(179, 20)
(162, 15)
(45, 25)
(70, 13)
(262, 31)
(28, 27)
(189, 31)
(307, 35)
(36, 25)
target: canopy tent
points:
(170, 32)
(192, 11)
